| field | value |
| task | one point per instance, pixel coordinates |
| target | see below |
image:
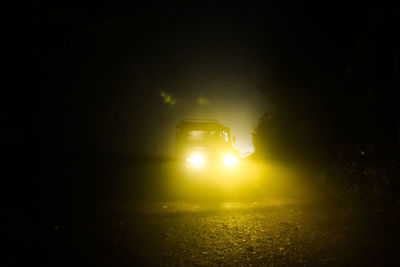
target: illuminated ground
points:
(267, 233)
(270, 231)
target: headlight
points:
(230, 160)
(196, 160)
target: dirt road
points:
(269, 232)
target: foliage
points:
(335, 108)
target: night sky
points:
(118, 78)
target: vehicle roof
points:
(189, 124)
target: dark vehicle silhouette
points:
(205, 144)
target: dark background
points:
(85, 78)
(89, 77)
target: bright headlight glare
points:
(196, 160)
(230, 160)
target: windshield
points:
(206, 136)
